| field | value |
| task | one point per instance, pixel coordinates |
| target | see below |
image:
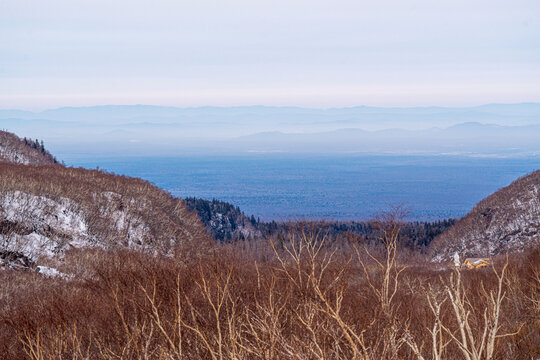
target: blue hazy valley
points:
(288, 162)
(280, 187)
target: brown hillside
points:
(45, 210)
(23, 151)
(508, 220)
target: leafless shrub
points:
(307, 301)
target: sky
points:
(309, 53)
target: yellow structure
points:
(475, 263)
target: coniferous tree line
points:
(25, 150)
(223, 220)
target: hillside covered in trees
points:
(24, 151)
(47, 209)
(506, 221)
(226, 223)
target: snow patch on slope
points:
(40, 226)
(52, 272)
(11, 155)
(124, 215)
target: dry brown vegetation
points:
(507, 220)
(17, 150)
(301, 297)
(114, 208)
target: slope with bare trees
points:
(45, 210)
(508, 220)
(23, 151)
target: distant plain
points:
(284, 187)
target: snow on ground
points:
(12, 155)
(41, 226)
(52, 272)
(505, 226)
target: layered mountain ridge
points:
(494, 130)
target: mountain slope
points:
(23, 151)
(45, 210)
(224, 221)
(508, 220)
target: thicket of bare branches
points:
(302, 297)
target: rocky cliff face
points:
(508, 220)
(23, 151)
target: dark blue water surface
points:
(332, 187)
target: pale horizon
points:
(314, 54)
(255, 105)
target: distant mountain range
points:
(471, 138)
(120, 113)
(500, 129)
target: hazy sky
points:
(293, 52)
